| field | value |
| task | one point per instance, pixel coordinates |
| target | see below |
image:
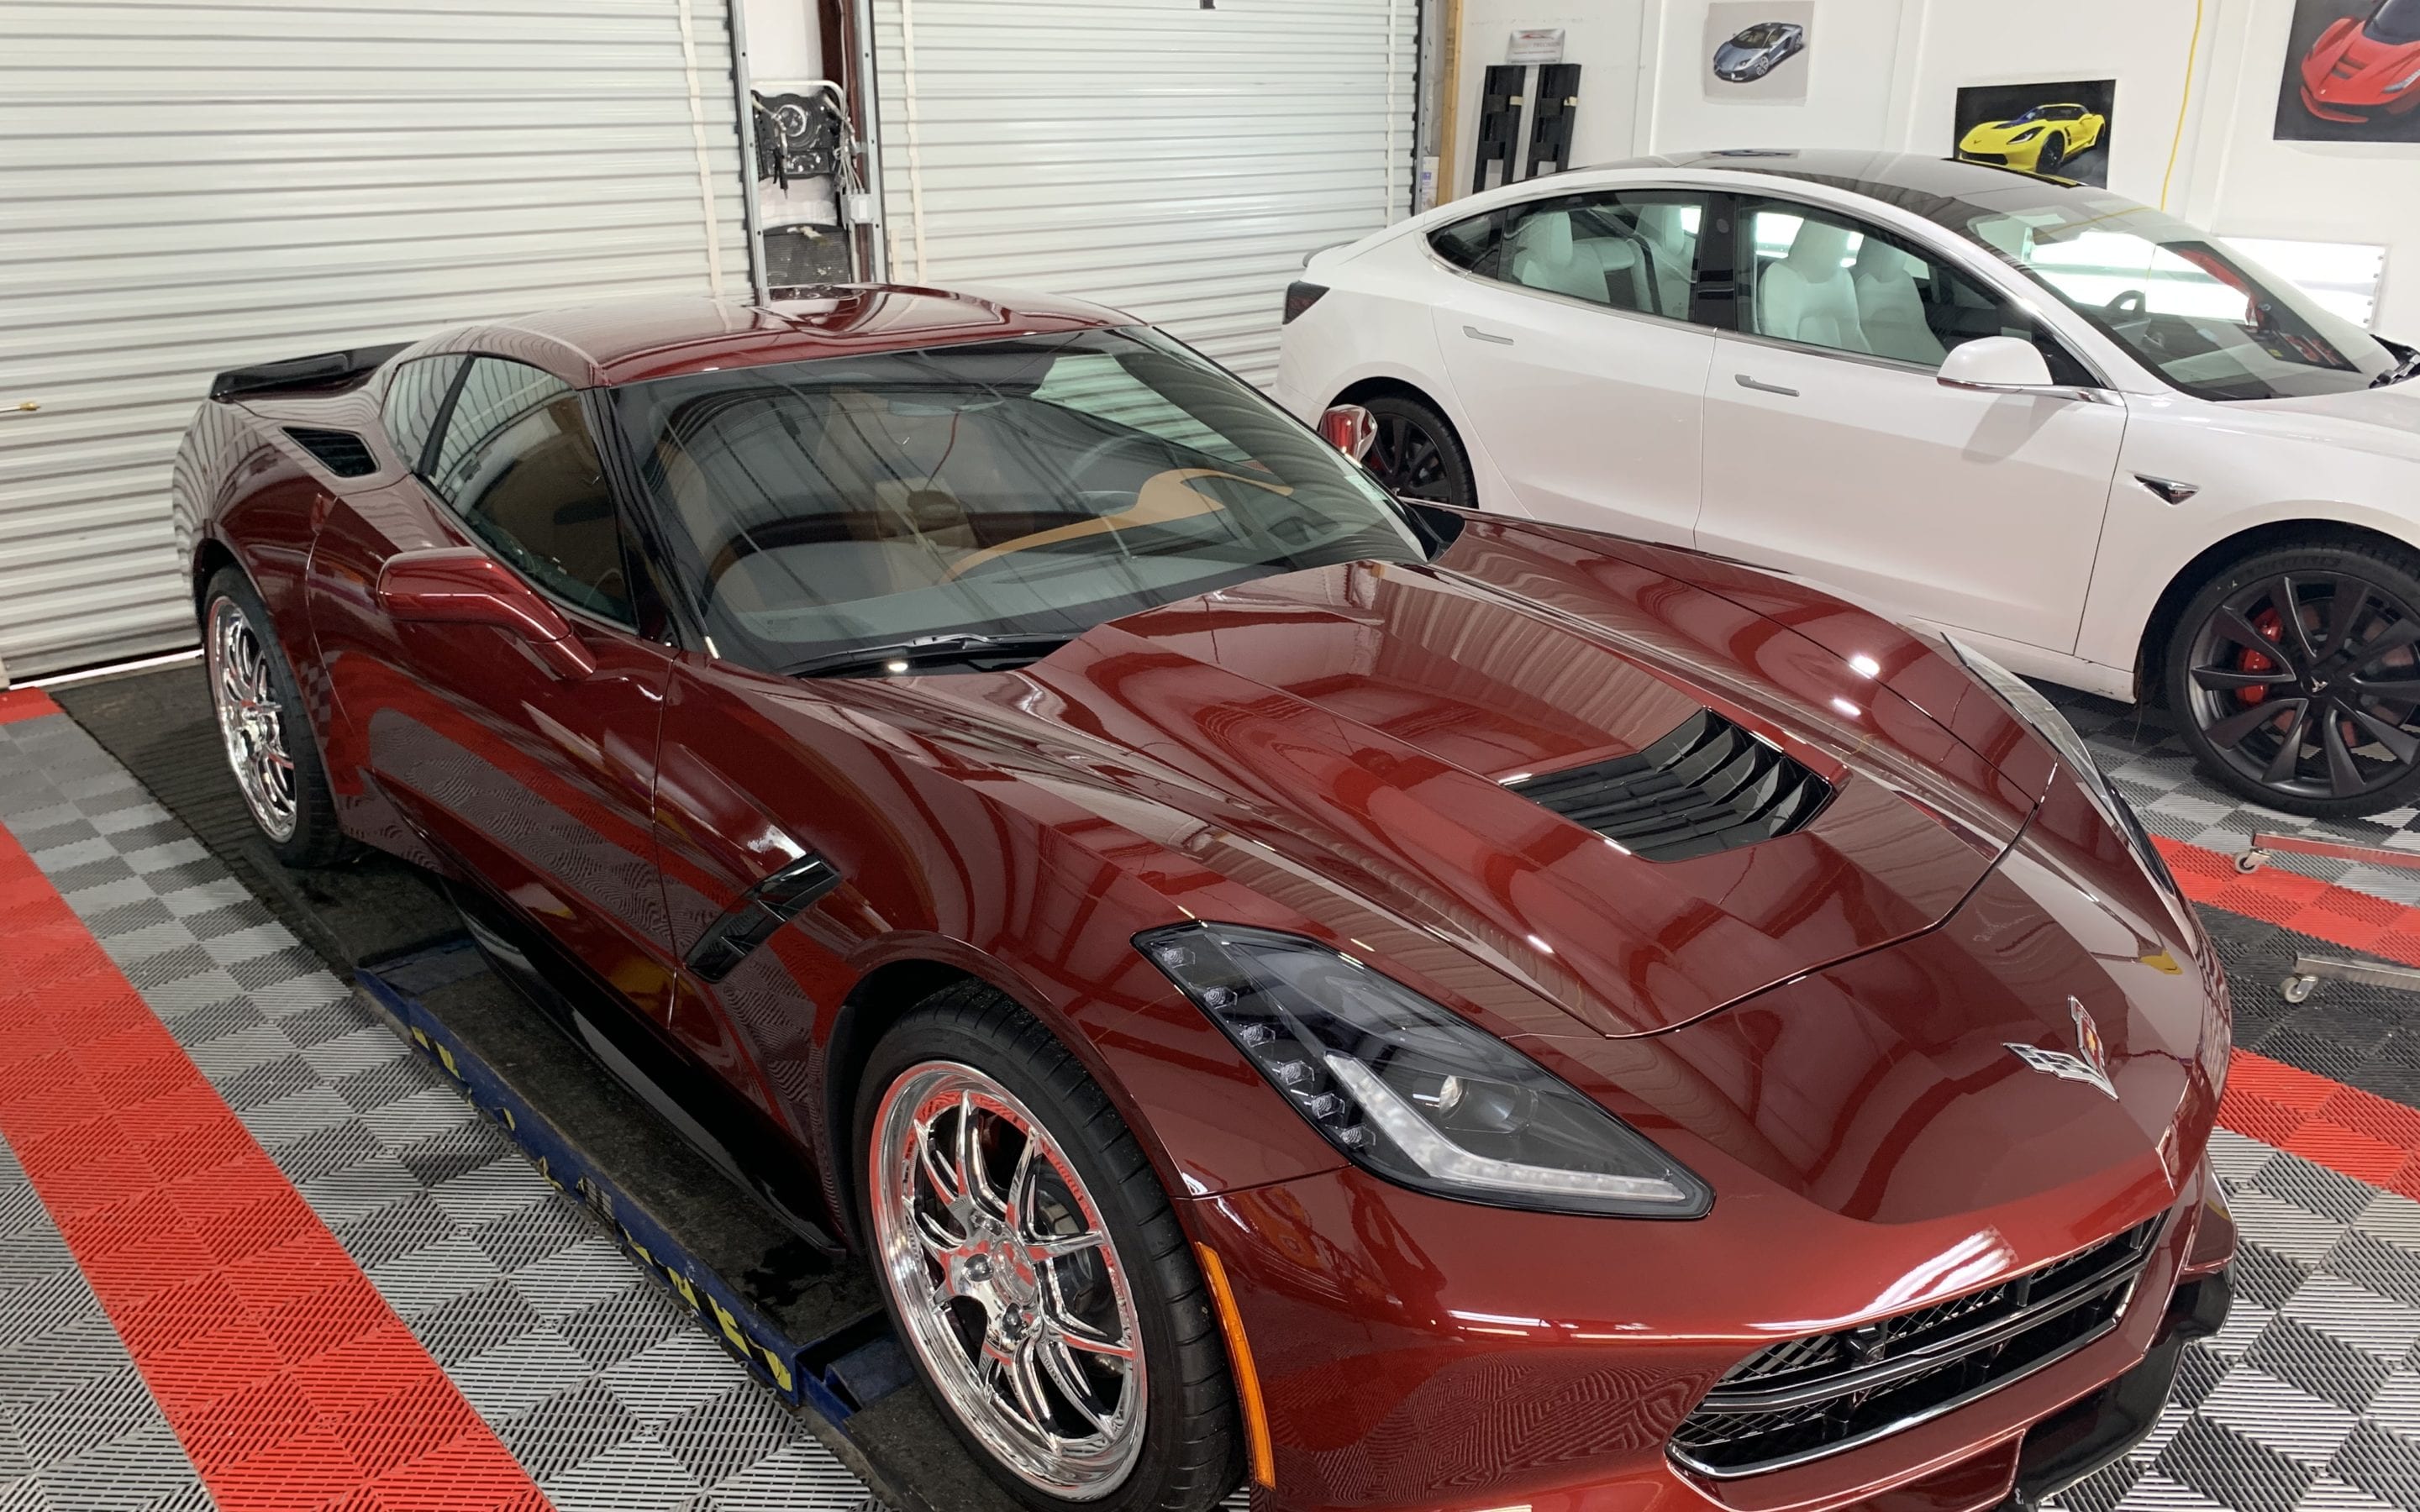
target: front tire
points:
(2294, 676)
(1032, 1264)
(261, 725)
(2054, 152)
(1417, 453)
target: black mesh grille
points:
(340, 452)
(1708, 786)
(1807, 1397)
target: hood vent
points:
(340, 452)
(1708, 786)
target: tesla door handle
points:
(1477, 335)
(1746, 382)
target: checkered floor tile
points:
(602, 1386)
(2139, 748)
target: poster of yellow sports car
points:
(2059, 131)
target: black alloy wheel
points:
(1417, 454)
(2296, 677)
(2054, 152)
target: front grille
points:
(1807, 1397)
(1708, 786)
(2000, 158)
(340, 452)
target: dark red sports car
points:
(2361, 69)
(1408, 1007)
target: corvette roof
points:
(629, 341)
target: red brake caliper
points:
(2249, 660)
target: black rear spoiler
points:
(327, 370)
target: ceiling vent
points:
(1708, 786)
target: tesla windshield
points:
(1006, 495)
(2397, 22)
(2190, 308)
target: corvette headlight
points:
(1410, 1091)
(2047, 723)
(2028, 134)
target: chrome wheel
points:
(1006, 1278)
(2308, 685)
(251, 723)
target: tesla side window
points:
(415, 395)
(1632, 250)
(1024, 489)
(1469, 244)
(1830, 281)
(517, 464)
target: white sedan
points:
(2068, 429)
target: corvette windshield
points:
(2189, 307)
(1023, 489)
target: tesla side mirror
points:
(1350, 430)
(1995, 364)
(463, 585)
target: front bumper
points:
(1419, 1354)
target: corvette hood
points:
(1335, 743)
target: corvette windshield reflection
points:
(1021, 490)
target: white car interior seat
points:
(1547, 254)
(1809, 295)
(1890, 308)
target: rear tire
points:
(265, 734)
(972, 1301)
(1417, 453)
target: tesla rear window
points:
(1028, 488)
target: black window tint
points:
(1635, 250)
(519, 465)
(414, 394)
(1467, 243)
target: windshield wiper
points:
(2409, 367)
(896, 657)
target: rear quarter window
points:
(414, 395)
(1469, 244)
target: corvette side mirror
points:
(1350, 430)
(463, 585)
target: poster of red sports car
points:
(2353, 73)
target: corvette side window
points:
(414, 396)
(517, 464)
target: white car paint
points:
(2013, 519)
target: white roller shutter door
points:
(187, 187)
(1170, 159)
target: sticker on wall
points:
(2059, 130)
(2353, 73)
(1756, 52)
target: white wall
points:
(1601, 35)
(1885, 73)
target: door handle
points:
(1746, 382)
(1477, 335)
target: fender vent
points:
(1708, 786)
(340, 452)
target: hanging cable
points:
(2185, 102)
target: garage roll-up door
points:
(1171, 160)
(186, 187)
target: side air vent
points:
(340, 452)
(1708, 786)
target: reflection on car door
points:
(1570, 346)
(538, 781)
(1833, 452)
